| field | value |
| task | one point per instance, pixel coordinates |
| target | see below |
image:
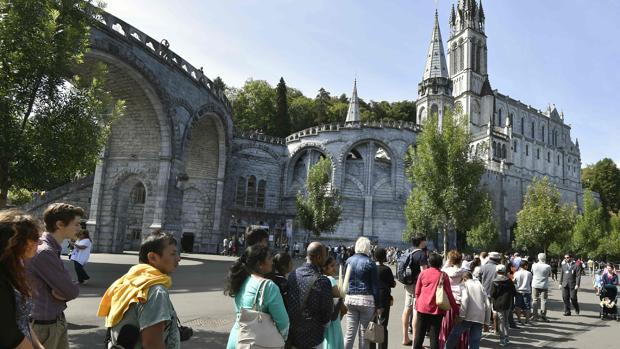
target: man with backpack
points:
(409, 266)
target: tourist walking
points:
(474, 313)
(81, 254)
(554, 269)
(407, 273)
(523, 298)
(386, 283)
(310, 300)
(455, 274)
(248, 284)
(540, 287)
(51, 282)
(488, 272)
(362, 293)
(428, 313)
(19, 238)
(570, 280)
(333, 333)
(502, 294)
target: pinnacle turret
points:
(353, 115)
(436, 60)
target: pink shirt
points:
(425, 289)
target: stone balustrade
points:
(335, 127)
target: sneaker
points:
(577, 311)
(567, 314)
(544, 318)
(502, 343)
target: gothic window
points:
(478, 58)
(494, 149)
(523, 126)
(538, 153)
(461, 56)
(515, 147)
(240, 197)
(510, 120)
(558, 159)
(354, 154)
(435, 110)
(138, 194)
(251, 192)
(499, 118)
(472, 55)
(532, 129)
(527, 150)
(453, 58)
(422, 116)
(548, 156)
(260, 196)
(504, 151)
(542, 133)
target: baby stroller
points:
(609, 308)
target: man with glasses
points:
(570, 280)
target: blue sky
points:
(565, 52)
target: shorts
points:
(523, 301)
(409, 296)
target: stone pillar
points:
(367, 228)
(162, 193)
(96, 197)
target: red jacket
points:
(425, 289)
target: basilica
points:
(175, 161)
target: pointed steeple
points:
(481, 12)
(436, 60)
(353, 115)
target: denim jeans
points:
(475, 334)
(502, 322)
(358, 318)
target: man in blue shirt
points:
(310, 300)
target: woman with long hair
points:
(81, 254)
(244, 281)
(19, 239)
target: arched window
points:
(515, 146)
(548, 156)
(251, 192)
(462, 56)
(542, 133)
(503, 151)
(240, 197)
(532, 129)
(527, 150)
(499, 117)
(478, 57)
(538, 153)
(494, 149)
(138, 194)
(354, 154)
(558, 159)
(454, 59)
(260, 197)
(435, 110)
(523, 126)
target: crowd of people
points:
(451, 300)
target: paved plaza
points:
(199, 301)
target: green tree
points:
(254, 106)
(590, 228)
(319, 210)
(604, 178)
(322, 102)
(543, 220)
(483, 234)
(301, 109)
(282, 122)
(446, 194)
(219, 84)
(53, 124)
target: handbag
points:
(256, 328)
(375, 332)
(441, 298)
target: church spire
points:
(436, 60)
(353, 115)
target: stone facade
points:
(174, 162)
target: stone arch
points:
(434, 109)
(131, 217)
(299, 164)
(421, 116)
(379, 168)
(195, 218)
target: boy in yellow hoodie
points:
(140, 297)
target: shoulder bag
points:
(256, 328)
(441, 298)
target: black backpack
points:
(407, 270)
